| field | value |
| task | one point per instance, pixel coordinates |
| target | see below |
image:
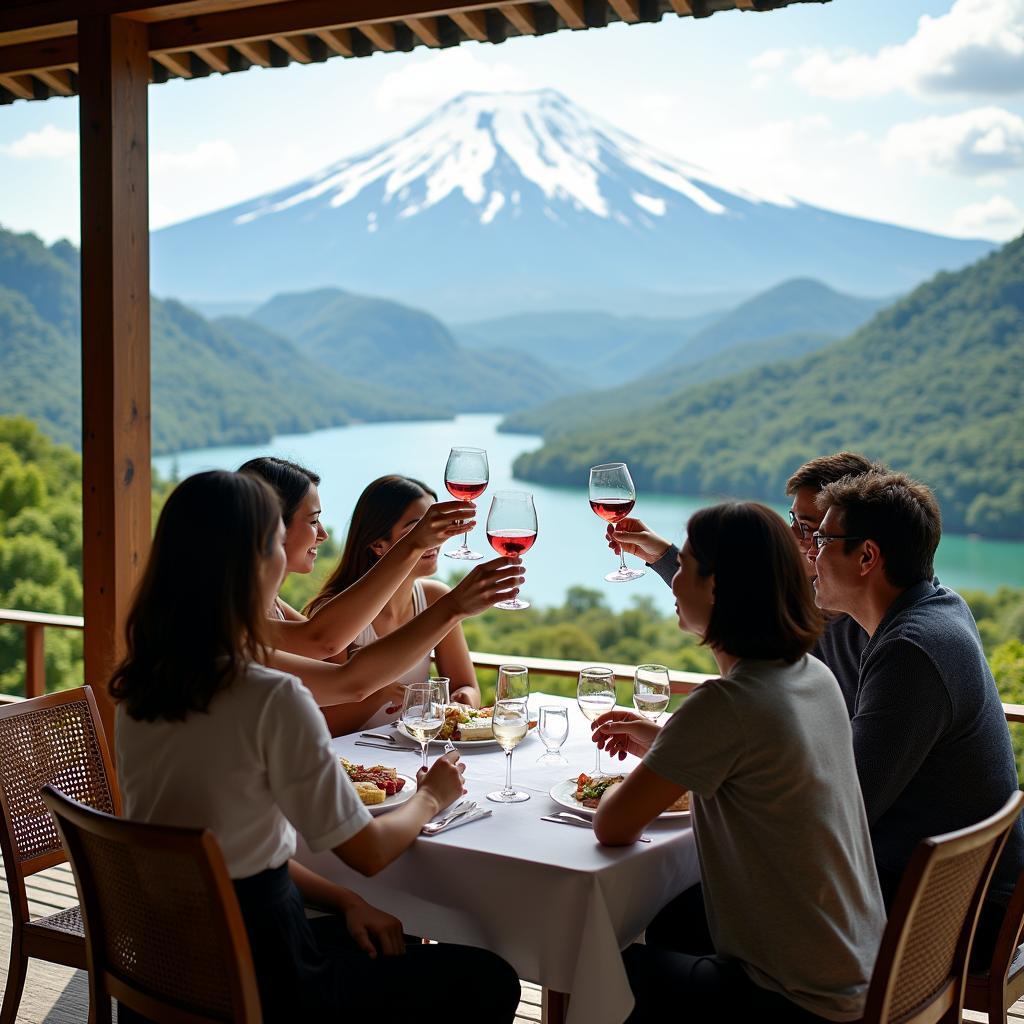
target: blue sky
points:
(909, 112)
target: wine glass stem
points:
(423, 748)
(622, 560)
(465, 541)
(597, 761)
(508, 771)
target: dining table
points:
(549, 898)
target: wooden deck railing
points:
(36, 623)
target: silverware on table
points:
(383, 746)
(379, 736)
(568, 818)
(462, 807)
(480, 812)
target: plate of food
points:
(466, 727)
(584, 793)
(380, 788)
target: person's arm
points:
(452, 655)
(903, 708)
(374, 847)
(628, 808)
(367, 925)
(337, 622)
(389, 657)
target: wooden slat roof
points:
(197, 38)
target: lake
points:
(570, 547)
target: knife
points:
(568, 820)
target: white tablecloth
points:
(548, 898)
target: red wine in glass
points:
(512, 530)
(612, 497)
(612, 509)
(511, 543)
(466, 476)
(465, 491)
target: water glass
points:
(553, 729)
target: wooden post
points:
(35, 661)
(113, 71)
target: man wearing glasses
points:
(930, 740)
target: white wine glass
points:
(651, 690)
(423, 711)
(510, 723)
(512, 530)
(612, 497)
(553, 729)
(466, 476)
(595, 694)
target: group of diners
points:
(854, 714)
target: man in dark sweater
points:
(930, 740)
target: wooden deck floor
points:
(59, 995)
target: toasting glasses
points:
(612, 497)
(466, 477)
(595, 694)
(512, 529)
(510, 723)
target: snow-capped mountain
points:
(508, 202)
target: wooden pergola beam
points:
(255, 52)
(627, 10)
(425, 29)
(179, 64)
(58, 81)
(296, 47)
(382, 35)
(339, 40)
(521, 17)
(113, 132)
(215, 57)
(473, 23)
(20, 85)
(571, 12)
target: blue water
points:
(570, 548)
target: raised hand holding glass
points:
(612, 497)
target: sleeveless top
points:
(417, 674)
(277, 611)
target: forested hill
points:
(933, 385)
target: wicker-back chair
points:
(996, 989)
(164, 932)
(55, 740)
(920, 973)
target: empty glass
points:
(553, 728)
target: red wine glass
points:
(512, 530)
(466, 477)
(612, 497)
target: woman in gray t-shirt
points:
(794, 912)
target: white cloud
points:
(417, 88)
(186, 183)
(47, 142)
(770, 60)
(998, 218)
(976, 48)
(214, 155)
(983, 141)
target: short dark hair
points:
(899, 514)
(827, 469)
(289, 479)
(764, 606)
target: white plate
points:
(564, 793)
(399, 798)
(460, 744)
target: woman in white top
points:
(386, 514)
(794, 914)
(350, 693)
(208, 736)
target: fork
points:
(569, 818)
(461, 808)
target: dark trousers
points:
(312, 970)
(678, 967)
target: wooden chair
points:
(55, 739)
(164, 932)
(919, 977)
(995, 991)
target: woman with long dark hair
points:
(793, 913)
(387, 512)
(351, 693)
(209, 736)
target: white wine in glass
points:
(466, 476)
(423, 711)
(595, 694)
(510, 722)
(651, 690)
(612, 497)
